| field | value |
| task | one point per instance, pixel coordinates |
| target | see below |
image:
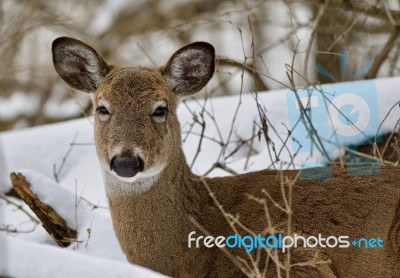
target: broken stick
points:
(52, 222)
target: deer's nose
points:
(126, 166)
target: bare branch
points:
(53, 223)
(378, 61)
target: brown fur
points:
(153, 226)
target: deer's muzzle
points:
(126, 166)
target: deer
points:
(156, 201)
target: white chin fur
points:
(141, 182)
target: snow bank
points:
(43, 148)
(95, 231)
(23, 259)
(96, 252)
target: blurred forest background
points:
(255, 40)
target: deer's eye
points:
(104, 114)
(102, 110)
(160, 112)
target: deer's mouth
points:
(126, 166)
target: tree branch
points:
(378, 61)
(52, 222)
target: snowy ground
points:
(47, 150)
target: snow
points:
(96, 252)
(50, 261)
(94, 227)
(57, 107)
(42, 148)
(15, 106)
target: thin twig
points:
(56, 172)
(19, 207)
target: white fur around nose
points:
(141, 182)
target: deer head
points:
(137, 131)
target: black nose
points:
(126, 166)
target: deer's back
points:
(354, 206)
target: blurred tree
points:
(254, 40)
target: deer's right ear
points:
(78, 64)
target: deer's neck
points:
(156, 222)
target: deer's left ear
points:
(190, 68)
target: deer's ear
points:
(190, 68)
(78, 64)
